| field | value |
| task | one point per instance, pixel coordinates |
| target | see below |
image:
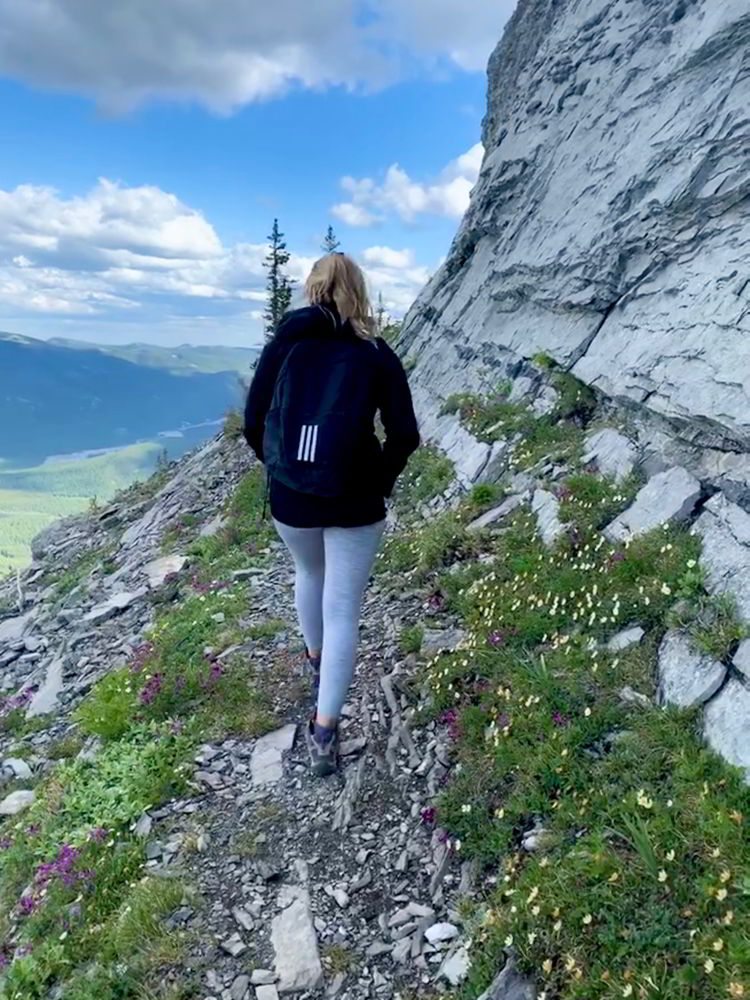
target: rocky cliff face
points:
(610, 227)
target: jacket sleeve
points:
(398, 418)
(260, 393)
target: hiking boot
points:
(324, 756)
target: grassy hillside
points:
(31, 499)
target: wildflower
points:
(718, 945)
(532, 937)
(709, 965)
(670, 855)
(728, 918)
(509, 941)
(721, 895)
(429, 815)
(725, 876)
(466, 809)
(628, 991)
(557, 926)
(643, 800)
(736, 990)
(587, 920)
(662, 876)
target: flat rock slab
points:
(295, 944)
(687, 677)
(727, 725)
(490, 517)
(742, 658)
(725, 559)
(158, 570)
(113, 606)
(625, 639)
(510, 985)
(668, 497)
(16, 802)
(266, 765)
(45, 699)
(546, 507)
(436, 641)
(12, 629)
(456, 967)
(611, 452)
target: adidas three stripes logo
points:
(308, 443)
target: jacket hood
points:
(317, 322)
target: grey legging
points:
(333, 566)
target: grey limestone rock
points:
(586, 236)
(667, 497)
(687, 677)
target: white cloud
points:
(142, 255)
(227, 53)
(400, 195)
(387, 257)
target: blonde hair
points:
(337, 278)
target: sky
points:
(146, 147)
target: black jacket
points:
(393, 401)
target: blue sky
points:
(144, 154)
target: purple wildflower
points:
(151, 689)
(27, 905)
(5, 843)
(449, 718)
(99, 834)
(559, 719)
(429, 815)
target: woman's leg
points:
(306, 548)
(349, 556)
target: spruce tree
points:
(380, 315)
(279, 285)
(330, 243)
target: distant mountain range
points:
(182, 360)
(59, 397)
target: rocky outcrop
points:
(609, 225)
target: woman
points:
(310, 417)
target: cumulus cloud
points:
(141, 254)
(370, 201)
(227, 53)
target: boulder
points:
(686, 677)
(158, 570)
(16, 802)
(727, 725)
(670, 496)
(625, 639)
(295, 944)
(611, 452)
(546, 506)
(725, 531)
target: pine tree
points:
(380, 315)
(330, 243)
(279, 284)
